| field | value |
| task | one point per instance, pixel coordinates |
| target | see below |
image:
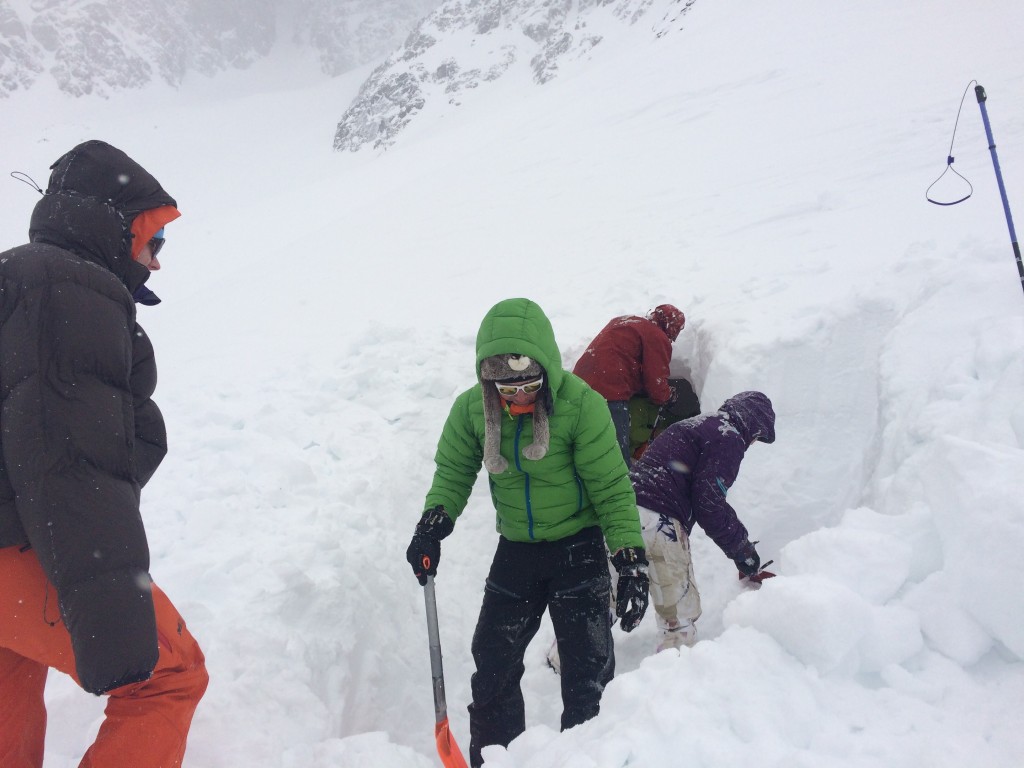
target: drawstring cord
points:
(46, 603)
(46, 595)
(24, 178)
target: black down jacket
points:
(79, 434)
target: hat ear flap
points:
(493, 460)
(538, 449)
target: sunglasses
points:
(156, 244)
(511, 390)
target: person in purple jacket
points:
(682, 479)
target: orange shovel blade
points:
(451, 755)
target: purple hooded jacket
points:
(687, 470)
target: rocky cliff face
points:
(18, 60)
(107, 45)
(466, 44)
(454, 48)
(350, 33)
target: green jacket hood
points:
(519, 326)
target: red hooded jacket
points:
(630, 356)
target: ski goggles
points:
(527, 388)
(156, 242)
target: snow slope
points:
(762, 166)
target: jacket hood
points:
(670, 319)
(752, 414)
(94, 193)
(520, 327)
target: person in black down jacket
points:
(79, 437)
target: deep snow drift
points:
(764, 169)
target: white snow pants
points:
(673, 588)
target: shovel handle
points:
(436, 667)
(447, 748)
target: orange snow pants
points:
(146, 723)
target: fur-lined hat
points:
(511, 368)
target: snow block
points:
(982, 530)
(873, 564)
(819, 621)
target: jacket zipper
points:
(526, 490)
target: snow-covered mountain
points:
(760, 165)
(108, 45)
(350, 33)
(466, 44)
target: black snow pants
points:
(568, 577)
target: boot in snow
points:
(684, 633)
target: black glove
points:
(631, 591)
(425, 548)
(747, 559)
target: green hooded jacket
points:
(582, 481)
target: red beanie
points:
(669, 318)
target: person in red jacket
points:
(630, 356)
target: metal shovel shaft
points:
(447, 748)
(436, 669)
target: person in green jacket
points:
(561, 491)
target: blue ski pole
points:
(979, 91)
